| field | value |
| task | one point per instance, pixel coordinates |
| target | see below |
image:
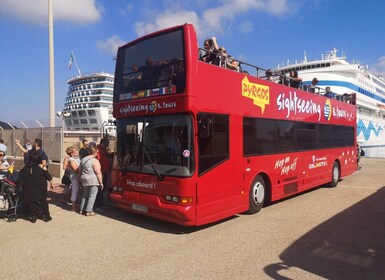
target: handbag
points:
(362, 152)
(65, 180)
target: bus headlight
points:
(117, 189)
(180, 200)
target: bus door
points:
(219, 188)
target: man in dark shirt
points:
(329, 93)
(83, 152)
(36, 147)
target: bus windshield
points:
(151, 67)
(160, 145)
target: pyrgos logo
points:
(328, 110)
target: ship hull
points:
(345, 78)
(88, 105)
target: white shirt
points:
(3, 148)
(4, 172)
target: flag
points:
(155, 91)
(71, 60)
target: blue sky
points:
(261, 32)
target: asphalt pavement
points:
(326, 233)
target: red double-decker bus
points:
(197, 143)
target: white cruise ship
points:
(88, 105)
(343, 77)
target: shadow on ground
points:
(56, 196)
(351, 245)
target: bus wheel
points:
(257, 195)
(335, 175)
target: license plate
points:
(140, 208)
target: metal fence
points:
(50, 136)
(55, 141)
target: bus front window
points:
(156, 145)
(151, 67)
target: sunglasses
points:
(1, 155)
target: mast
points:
(51, 66)
(76, 63)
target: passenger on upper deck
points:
(148, 71)
(133, 82)
(268, 74)
(329, 93)
(148, 74)
(209, 55)
(312, 87)
(226, 61)
(283, 80)
(348, 98)
(136, 73)
(295, 81)
(178, 78)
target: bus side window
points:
(213, 141)
(204, 126)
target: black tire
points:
(336, 174)
(257, 195)
(12, 218)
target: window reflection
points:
(151, 67)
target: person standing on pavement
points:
(37, 147)
(28, 147)
(83, 152)
(3, 147)
(105, 164)
(4, 165)
(33, 179)
(66, 178)
(90, 180)
(73, 165)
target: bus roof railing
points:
(257, 68)
(348, 98)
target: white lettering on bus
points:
(145, 107)
(132, 109)
(285, 165)
(166, 105)
(294, 104)
(141, 184)
(338, 113)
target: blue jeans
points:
(88, 198)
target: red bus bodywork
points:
(224, 190)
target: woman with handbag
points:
(73, 165)
(33, 179)
(65, 180)
(90, 180)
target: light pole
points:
(62, 115)
(51, 66)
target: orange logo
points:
(259, 93)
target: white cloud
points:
(36, 11)
(212, 20)
(130, 7)
(379, 67)
(166, 19)
(246, 26)
(111, 44)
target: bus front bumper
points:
(151, 205)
